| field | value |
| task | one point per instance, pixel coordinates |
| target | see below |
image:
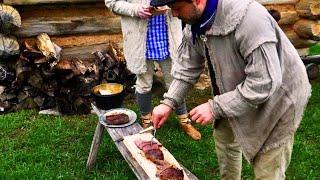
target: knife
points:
(149, 129)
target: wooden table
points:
(117, 135)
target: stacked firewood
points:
(10, 21)
(39, 79)
(33, 75)
(300, 20)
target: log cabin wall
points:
(80, 27)
(300, 20)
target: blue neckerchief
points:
(206, 19)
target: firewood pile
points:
(33, 75)
(299, 19)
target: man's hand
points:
(160, 115)
(144, 12)
(202, 114)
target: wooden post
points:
(303, 51)
(95, 146)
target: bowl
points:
(108, 96)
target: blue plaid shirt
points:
(157, 39)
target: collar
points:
(206, 20)
(229, 15)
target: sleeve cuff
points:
(169, 103)
(177, 92)
(231, 104)
(216, 110)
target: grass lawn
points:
(315, 50)
(36, 146)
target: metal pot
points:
(108, 96)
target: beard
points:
(193, 16)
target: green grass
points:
(314, 50)
(36, 146)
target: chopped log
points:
(288, 17)
(69, 26)
(288, 14)
(27, 103)
(10, 19)
(35, 79)
(63, 65)
(266, 2)
(9, 47)
(23, 71)
(303, 51)
(308, 8)
(30, 2)
(46, 46)
(31, 53)
(307, 29)
(7, 76)
(2, 88)
(115, 53)
(296, 40)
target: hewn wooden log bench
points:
(117, 135)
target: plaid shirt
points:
(157, 39)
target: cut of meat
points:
(153, 152)
(166, 172)
(155, 155)
(116, 119)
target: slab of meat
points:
(169, 172)
(152, 152)
(117, 119)
(155, 155)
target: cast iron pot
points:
(113, 99)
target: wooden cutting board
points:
(148, 166)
